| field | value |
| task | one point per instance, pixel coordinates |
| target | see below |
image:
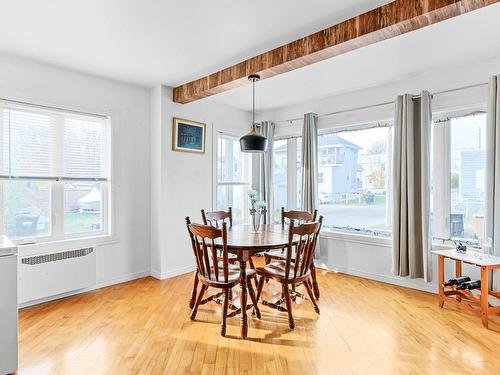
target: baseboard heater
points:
(49, 275)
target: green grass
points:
(77, 222)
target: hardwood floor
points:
(365, 327)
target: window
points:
(459, 176)
(353, 181)
(234, 173)
(287, 175)
(280, 182)
(54, 173)
(298, 172)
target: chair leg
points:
(288, 301)
(267, 260)
(224, 312)
(252, 266)
(314, 281)
(250, 261)
(260, 287)
(192, 300)
(254, 300)
(198, 301)
(311, 296)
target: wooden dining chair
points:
(215, 218)
(299, 217)
(295, 269)
(215, 271)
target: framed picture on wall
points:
(188, 136)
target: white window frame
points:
(441, 148)
(216, 183)
(57, 233)
(360, 127)
(292, 179)
(291, 171)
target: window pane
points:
(299, 172)
(232, 164)
(84, 148)
(279, 177)
(467, 176)
(234, 196)
(234, 173)
(352, 173)
(82, 207)
(27, 143)
(26, 209)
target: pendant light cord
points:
(253, 103)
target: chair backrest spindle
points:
(305, 236)
(206, 240)
(216, 218)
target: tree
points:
(376, 148)
(15, 200)
(377, 178)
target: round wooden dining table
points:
(245, 243)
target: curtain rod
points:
(448, 118)
(382, 104)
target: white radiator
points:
(48, 275)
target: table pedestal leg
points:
(243, 298)
(441, 280)
(484, 296)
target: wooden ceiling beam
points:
(385, 22)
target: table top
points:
(472, 257)
(271, 236)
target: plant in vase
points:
(257, 209)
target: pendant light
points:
(253, 142)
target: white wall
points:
(183, 183)
(124, 255)
(361, 255)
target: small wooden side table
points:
(465, 299)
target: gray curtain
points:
(266, 170)
(411, 191)
(492, 228)
(309, 197)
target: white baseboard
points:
(172, 273)
(122, 279)
(394, 280)
(101, 284)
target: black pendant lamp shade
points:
(253, 142)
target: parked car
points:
(325, 198)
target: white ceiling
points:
(460, 41)
(171, 42)
(148, 42)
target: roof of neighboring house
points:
(328, 140)
(336, 140)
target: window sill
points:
(372, 240)
(66, 244)
(357, 237)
